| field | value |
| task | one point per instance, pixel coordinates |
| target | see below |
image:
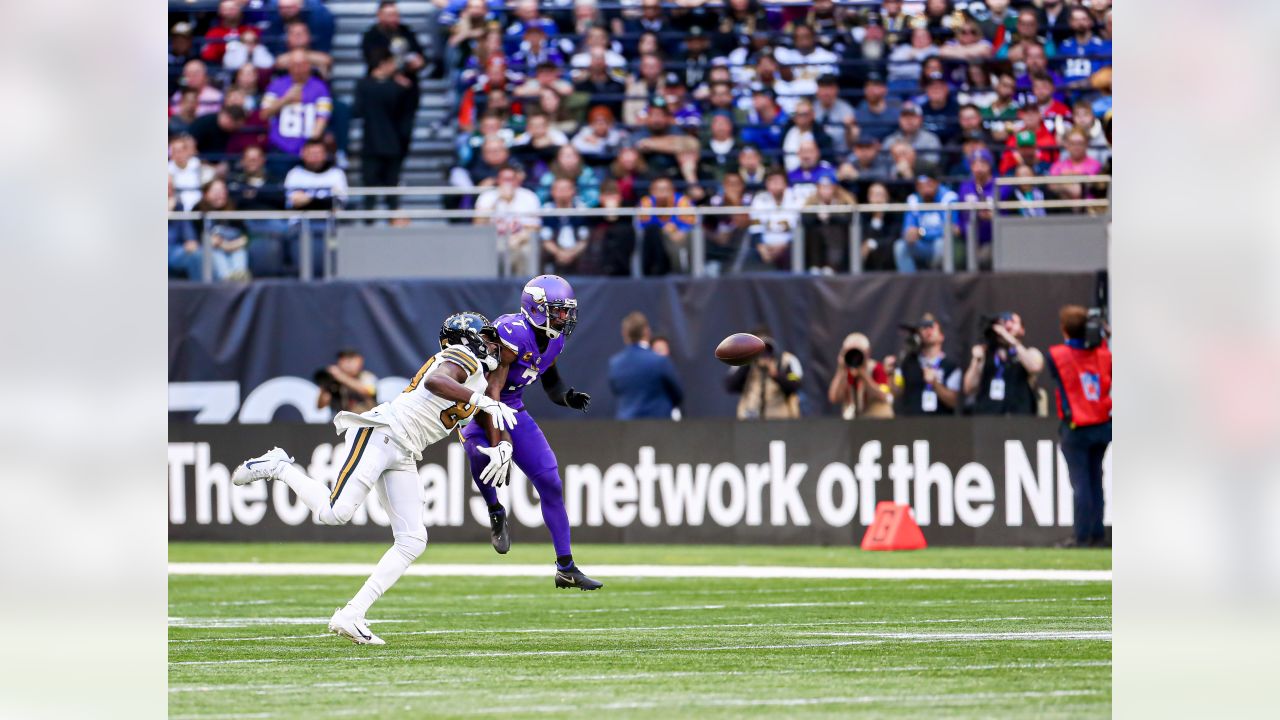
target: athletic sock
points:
(394, 562)
(313, 493)
(564, 562)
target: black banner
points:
(980, 481)
(246, 353)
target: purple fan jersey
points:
(296, 122)
(516, 335)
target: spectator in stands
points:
(384, 100)
(298, 38)
(684, 112)
(741, 21)
(1025, 194)
(213, 132)
(228, 237)
(1055, 19)
(980, 187)
(803, 130)
(643, 382)
(387, 33)
(1082, 117)
(254, 187)
(552, 105)
(775, 217)
(586, 16)
(1001, 116)
(511, 210)
(181, 50)
(826, 235)
(1001, 377)
(195, 76)
(922, 243)
(751, 168)
(905, 62)
(647, 44)
(906, 165)
(314, 14)
(866, 164)
(186, 172)
(535, 51)
(938, 109)
(613, 235)
(807, 59)
(599, 85)
(968, 44)
(565, 238)
(831, 25)
(229, 27)
(896, 23)
(248, 82)
(660, 143)
(247, 50)
(697, 58)
(786, 88)
(664, 238)
(860, 389)
(1053, 112)
(769, 385)
(977, 88)
(765, 123)
(652, 19)
(538, 144)
(185, 258)
(992, 16)
(1037, 64)
(880, 231)
(642, 88)
(834, 116)
(568, 166)
(1075, 161)
(298, 106)
(316, 184)
(725, 233)
(600, 138)
(597, 42)
(1025, 149)
(969, 122)
(877, 114)
(911, 131)
(926, 381)
(810, 170)
(1083, 53)
(527, 15)
(630, 172)
(346, 384)
(469, 28)
(722, 148)
(1027, 34)
(546, 75)
(1101, 83)
(180, 119)
(484, 168)
(480, 58)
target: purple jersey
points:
(517, 336)
(296, 122)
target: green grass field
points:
(256, 647)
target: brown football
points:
(739, 348)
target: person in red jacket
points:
(230, 26)
(1081, 366)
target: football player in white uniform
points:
(383, 447)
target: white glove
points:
(504, 418)
(498, 471)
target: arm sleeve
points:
(554, 385)
(737, 379)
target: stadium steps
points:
(432, 152)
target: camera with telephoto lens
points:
(327, 382)
(854, 358)
(1095, 328)
(912, 343)
(987, 325)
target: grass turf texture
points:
(717, 648)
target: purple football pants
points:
(532, 454)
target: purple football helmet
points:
(549, 305)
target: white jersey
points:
(417, 418)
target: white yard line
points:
(649, 571)
(869, 639)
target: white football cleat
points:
(262, 467)
(345, 623)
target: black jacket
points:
(387, 109)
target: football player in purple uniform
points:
(531, 340)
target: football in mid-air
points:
(739, 348)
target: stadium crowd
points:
(768, 106)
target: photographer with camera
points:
(1002, 371)
(346, 385)
(769, 384)
(1081, 367)
(860, 385)
(925, 382)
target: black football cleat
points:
(572, 577)
(499, 532)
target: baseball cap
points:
(935, 77)
(828, 79)
(910, 108)
(1026, 138)
(182, 28)
(981, 154)
(926, 320)
(866, 140)
(875, 76)
(696, 31)
(925, 175)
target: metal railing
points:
(694, 250)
